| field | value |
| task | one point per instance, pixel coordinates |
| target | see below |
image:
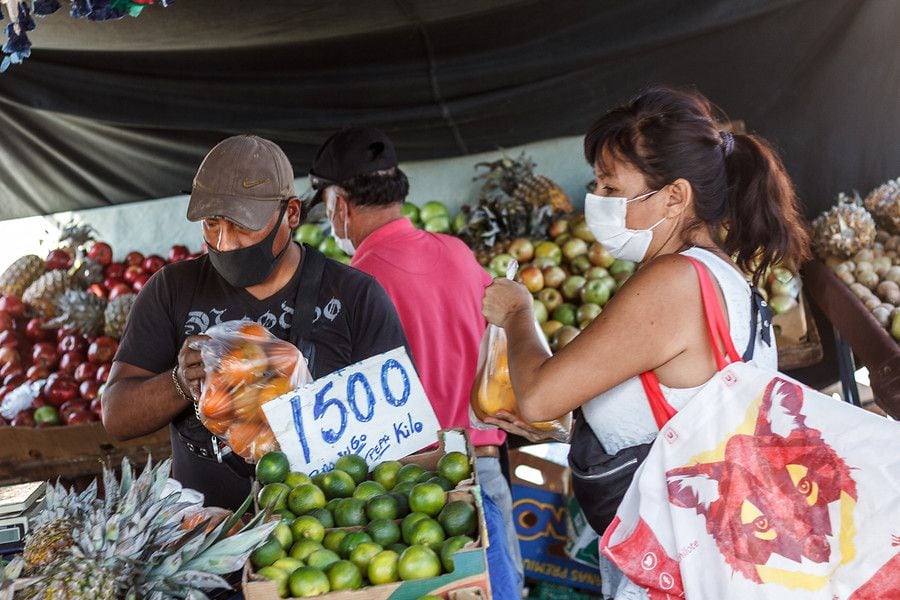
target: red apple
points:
(23, 419)
(97, 406)
(139, 282)
(103, 372)
(110, 282)
(119, 289)
(10, 369)
(13, 305)
(89, 390)
(60, 388)
(14, 379)
(64, 331)
(98, 290)
(131, 273)
(153, 263)
(102, 350)
(73, 343)
(69, 361)
(47, 416)
(6, 321)
(44, 354)
(9, 356)
(39, 401)
(81, 416)
(36, 372)
(35, 330)
(178, 252)
(134, 258)
(71, 406)
(58, 259)
(85, 371)
(101, 252)
(532, 277)
(9, 339)
(114, 270)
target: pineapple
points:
(79, 310)
(74, 236)
(130, 544)
(884, 204)
(86, 272)
(116, 315)
(41, 295)
(539, 190)
(21, 274)
(844, 229)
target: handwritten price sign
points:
(376, 408)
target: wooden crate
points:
(804, 350)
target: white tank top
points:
(621, 416)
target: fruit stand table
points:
(857, 330)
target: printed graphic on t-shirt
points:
(198, 321)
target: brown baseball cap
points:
(244, 179)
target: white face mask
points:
(344, 243)
(605, 217)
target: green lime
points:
(344, 575)
(282, 533)
(398, 547)
(288, 564)
(279, 576)
(410, 472)
(273, 467)
(450, 546)
(322, 558)
(437, 225)
(363, 553)
(317, 478)
(383, 567)
(267, 554)
(329, 247)
(333, 539)
(332, 504)
(458, 518)
(309, 233)
(273, 495)
(351, 512)
(382, 507)
(351, 541)
(294, 478)
(383, 532)
(338, 484)
(418, 562)
(445, 483)
(404, 487)
(407, 523)
(285, 515)
(304, 498)
(455, 467)
(308, 581)
(410, 211)
(307, 528)
(432, 209)
(386, 473)
(427, 532)
(458, 222)
(323, 516)
(427, 498)
(303, 548)
(368, 489)
(402, 504)
(425, 476)
(354, 465)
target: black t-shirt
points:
(354, 319)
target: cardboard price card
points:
(376, 408)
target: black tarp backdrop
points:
(108, 113)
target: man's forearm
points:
(136, 406)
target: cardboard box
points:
(468, 581)
(539, 512)
(28, 454)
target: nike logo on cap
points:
(247, 183)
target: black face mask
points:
(246, 267)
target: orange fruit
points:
(243, 365)
(264, 443)
(241, 434)
(283, 358)
(216, 404)
(272, 389)
(254, 330)
(246, 405)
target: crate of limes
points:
(402, 529)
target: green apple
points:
(562, 336)
(438, 224)
(550, 327)
(600, 256)
(571, 287)
(588, 312)
(522, 249)
(558, 227)
(581, 230)
(580, 264)
(621, 266)
(432, 209)
(562, 239)
(549, 250)
(309, 233)
(574, 247)
(595, 291)
(550, 297)
(501, 262)
(540, 311)
(542, 262)
(47, 415)
(565, 313)
(596, 273)
(459, 221)
(553, 276)
(410, 211)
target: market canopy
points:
(122, 111)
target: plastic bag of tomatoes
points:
(246, 366)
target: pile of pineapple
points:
(60, 319)
(859, 240)
(140, 540)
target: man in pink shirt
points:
(434, 280)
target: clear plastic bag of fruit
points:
(246, 366)
(492, 390)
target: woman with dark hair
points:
(668, 181)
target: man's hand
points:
(189, 370)
(513, 424)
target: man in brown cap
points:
(244, 195)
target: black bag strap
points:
(307, 293)
(759, 310)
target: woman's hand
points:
(513, 424)
(504, 298)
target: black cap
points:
(348, 153)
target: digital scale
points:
(17, 503)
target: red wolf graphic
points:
(770, 494)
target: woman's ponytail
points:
(764, 224)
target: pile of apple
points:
(66, 369)
(571, 277)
